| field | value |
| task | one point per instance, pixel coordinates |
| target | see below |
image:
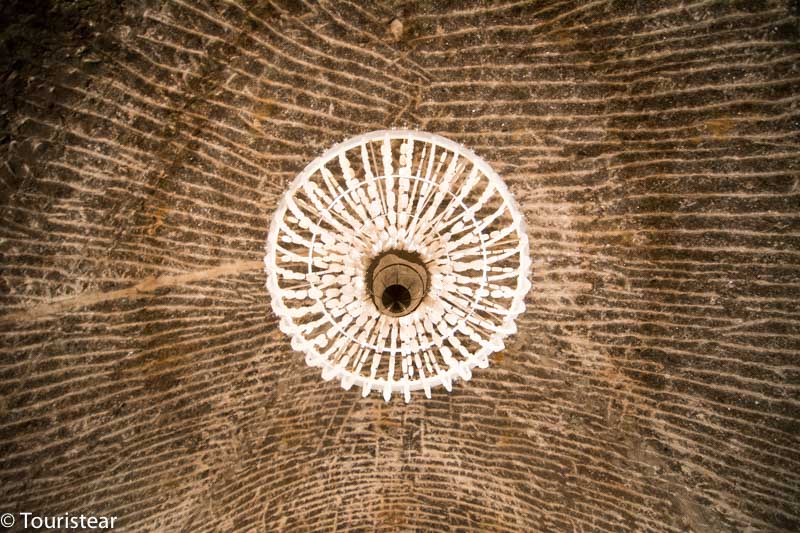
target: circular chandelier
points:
(397, 261)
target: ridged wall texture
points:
(654, 148)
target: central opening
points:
(396, 298)
(397, 281)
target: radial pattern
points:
(435, 206)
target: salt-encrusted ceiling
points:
(652, 148)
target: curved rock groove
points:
(654, 149)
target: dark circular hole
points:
(396, 298)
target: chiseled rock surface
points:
(653, 384)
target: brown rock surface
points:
(653, 146)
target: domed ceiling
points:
(652, 147)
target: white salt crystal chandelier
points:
(397, 261)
